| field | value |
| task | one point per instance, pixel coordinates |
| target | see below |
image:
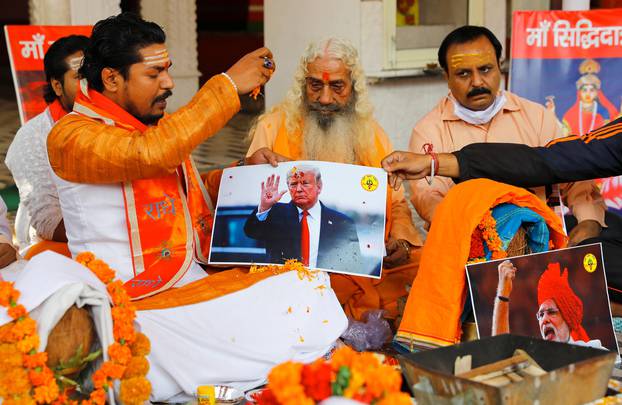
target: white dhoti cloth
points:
(232, 340)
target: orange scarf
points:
(57, 111)
(436, 299)
(169, 218)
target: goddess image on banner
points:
(27, 45)
(568, 61)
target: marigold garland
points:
(291, 264)
(24, 375)
(486, 231)
(135, 388)
(359, 376)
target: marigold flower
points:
(363, 362)
(364, 397)
(102, 271)
(23, 327)
(6, 289)
(342, 357)
(357, 380)
(265, 397)
(10, 357)
(135, 391)
(137, 366)
(41, 377)
(316, 379)
(85, 258)
(141, 346)
(99, 378)
(25, 399)
(97, 397)
(396, 398)
(123, 331)
(284, 380)
(384, 379)
(46, 393)
(112, 370)
(119, 353)
(17, 311)
(35, 360)
(15, 382)
(28, 343)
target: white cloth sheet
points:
(232, 340)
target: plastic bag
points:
(371, 334)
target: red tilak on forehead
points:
(325, 77)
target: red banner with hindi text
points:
(27, 45)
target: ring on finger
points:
(267, 63)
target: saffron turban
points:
(554, 285)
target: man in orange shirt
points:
(327, 116)
(131, 195)
(477, 110)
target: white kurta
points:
(39, 212)
(232, 340)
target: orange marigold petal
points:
(135, 391)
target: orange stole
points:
(436, 300)
(58, 247)
(360, 294)
(168, 222)
(216, 285)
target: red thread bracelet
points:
(428, 149)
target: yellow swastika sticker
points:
(369, 182)
(589, 263)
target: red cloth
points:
(304, 238)
(554, 285)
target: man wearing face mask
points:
(478, 110)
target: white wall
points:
(290, 25)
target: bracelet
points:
(502, 298)
(231, 81)
(428, 149)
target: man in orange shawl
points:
(327, 116)
(131, 195)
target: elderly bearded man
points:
(131, 195)
(327, 116)
(560, 311)
(476, 110)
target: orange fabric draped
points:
(436, 299)
(58, 247)
(205, 289)
(360, 294)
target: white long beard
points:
(342, 142)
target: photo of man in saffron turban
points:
(560, 310)
(560, 314)
(560, 296)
